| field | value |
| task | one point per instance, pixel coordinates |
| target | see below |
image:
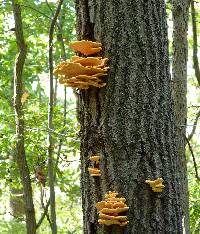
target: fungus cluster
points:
(83, 72)
(156, 185)
(111, 210)
(95, 171)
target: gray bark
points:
(130, 122)
(180, 12)
(20, 149)
(17, 203)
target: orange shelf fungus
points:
(86, 47)
(95, 159)
(81, 72)
(97, 62)
(95, 171)
(110, 210)
(70, 69)
(156, 185)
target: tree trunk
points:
(20, 149)
(130, 122)
(195, 43)
(180, 12)
(17, 203)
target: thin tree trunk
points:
(180, 12)
(195, 43)
(17, 203)
(130, 122)
(20, 150)
(50, 123)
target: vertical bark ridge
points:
(130, 121)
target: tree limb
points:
(36, 10)
(44, 214)
(50, 121)
(194, 126)
(64, 57)
(193, 157)
(44, 207)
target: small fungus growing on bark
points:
(95, 159)
(110, 208)
(81, 72)
(156, 185)
(86, 47)
(95, 171)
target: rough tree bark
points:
(130, 122)
(20, 150)
(180, 13)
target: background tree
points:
(180, 14)
(130, 122)
(19, 118)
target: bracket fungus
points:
(156, 185)
(82, 73)
(111, 210)
(95, 158)
(86, 47)
(95, 171)
(97, 62)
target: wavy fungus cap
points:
(98, 62)
(70, 69)
(156, 185)
(110, 208)
(86, 47)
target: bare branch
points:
(44, 214)
(194, 126)
(64, 55)
(44, 207)
(16, 217)
(51, 131)
(193, 157)
(36, 10)
(49, 7)
(194, 106)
